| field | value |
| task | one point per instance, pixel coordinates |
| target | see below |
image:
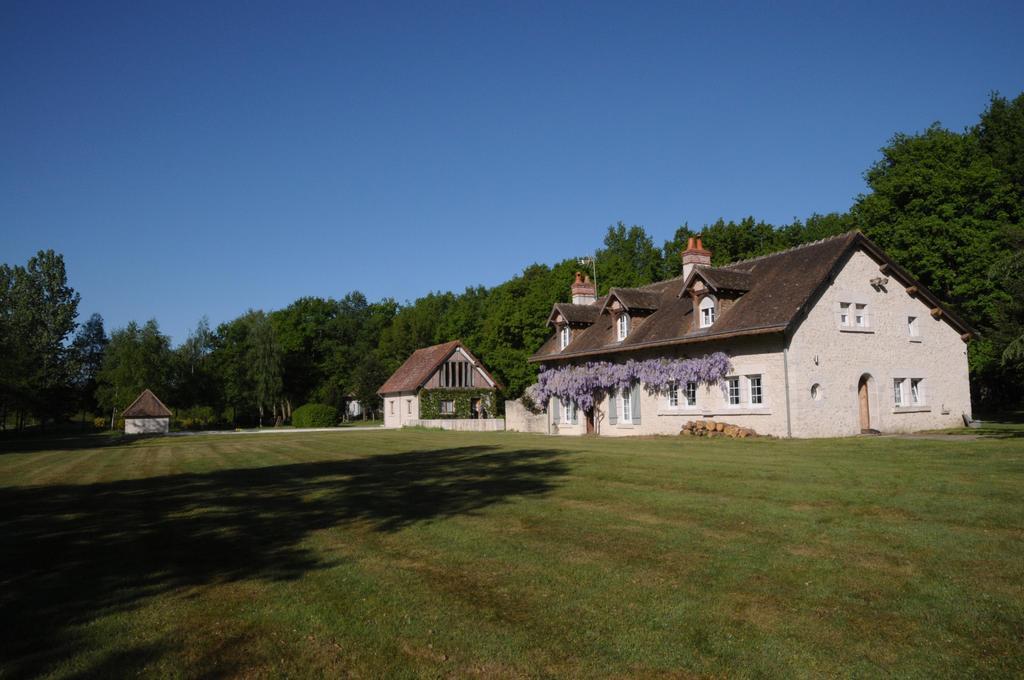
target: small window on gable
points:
(622, 326)
(860, 315)
(707, 311)
(914, 328)
(564, 335)
(854, 316)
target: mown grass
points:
(425, 553)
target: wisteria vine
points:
(582, 383)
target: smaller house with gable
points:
(146, 415)
(441, 386)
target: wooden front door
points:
(865, 408)
(590, 421)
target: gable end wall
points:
(821, 353)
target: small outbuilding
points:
(147, 415)
(442, 386)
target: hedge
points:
(315, 415)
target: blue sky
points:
(205, 158)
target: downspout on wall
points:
(785, 377)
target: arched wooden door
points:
(865, 405)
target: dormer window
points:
(707, 312)
(564, 335)
(623, 326)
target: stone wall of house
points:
(146, 425)
(754, 355)
(400, 408)
(461, 424)
(834, 358)
(519, 419)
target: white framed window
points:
(568, 411)
(623, 325)
(707, 311)
(691, 394)
(897, 391)
(564, 335)
(673, 395)
(860, 315)
(732, 386)
(853, 315)
(627, 406)
(916, 391)
(756, 394)
(844, 313)
(448, 407)
(914, 328)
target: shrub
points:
(315, 415)
(195, 418)
(100, 423)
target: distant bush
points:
(100, 423)
(195, 418)
(315, 415)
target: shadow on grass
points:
(69, 554)
(28, 442)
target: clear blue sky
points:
(203, 158)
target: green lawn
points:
(451, 554)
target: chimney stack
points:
(695, 254)
(583, 290)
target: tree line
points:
(947, 205)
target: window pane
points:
(755, 389)
(897, 391)
(691, 394)
(734, 391)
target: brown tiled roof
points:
(635, 298)
(575, 314)
(418, 368)
(725, 278)
(779, 287)
(146, 405)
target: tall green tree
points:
(136, 358)
(88, 348)
(38, 317)
(264, 355)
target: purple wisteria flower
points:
(582, 384)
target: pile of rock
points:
(709, 428)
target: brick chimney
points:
(583, 290)
(695, 254)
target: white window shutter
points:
(613, 409)
(634, 402)
(555, 416)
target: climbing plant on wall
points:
(430, 402)
(582, 383)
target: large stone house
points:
(440, 383)
(831, 338)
